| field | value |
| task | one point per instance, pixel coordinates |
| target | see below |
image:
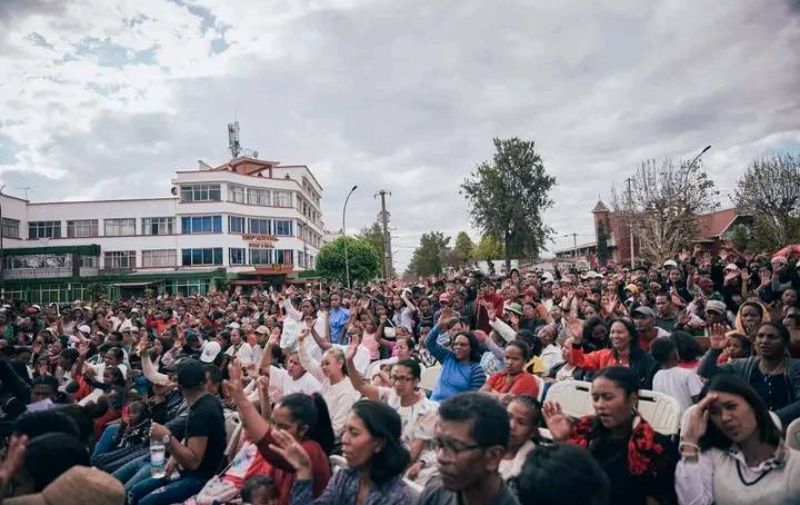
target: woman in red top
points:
(514, 380)
(303, 417)
(624, 352)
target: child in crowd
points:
(680, 383)
(260, 490)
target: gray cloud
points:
(407, 96)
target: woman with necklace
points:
(774, 376)
(732, 452)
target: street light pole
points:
(344, 233)
(691, 164)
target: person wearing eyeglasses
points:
(471, 441)
(417, 413)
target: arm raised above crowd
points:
(309, 363)
(359, 384)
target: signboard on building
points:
(259, 241)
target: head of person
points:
(293, 366)
(687, 346)
(425, 306)
(138, 411)
(738, 346)
(405, 376)
(44, 388)
(643, 318)
(772, 340)
(371, 441)
(751, 314)
(112, 375)
(715, 312)
(737, 414)
(623, 334)
(336, 301)
(260, 490)
(48, 456)
(404, 346)
(596, 331)
(792, 321)
(305, 418)
(580, 478)
(308, 308)
(466, 347)
(471, 439)
(236, 336)
(114, 357)
(615, 394)
(516, 354)
(663, 304)
(664, 351)
(34, 424)
(332, 364)
(789, 297)
(191, 376)
(547, 334)
(524, 414)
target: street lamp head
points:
(356, 187)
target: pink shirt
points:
(370, 341)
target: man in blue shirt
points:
(337, 319)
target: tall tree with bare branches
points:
(770, 191)
(663, 203)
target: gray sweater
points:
(743, 367)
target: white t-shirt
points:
(282, 384)
(512, 467)
(418, 420)
(679, 383)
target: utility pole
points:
(575, 244)
(630, 220)
(387, 239)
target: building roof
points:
(246, 166)
(714, 224)
(600, 207)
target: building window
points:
(284, 256)
(10, 228)
(195, 257)
(283, 228)
(200, 193)
(235, 224)
(192, 287)
(44, 229)
(120, 227)
(120, 259)
(236, 194)
(158, 225)
(260, 226)
(90, 262)
(256, 196)
(260, 256)
(237, 256)
(283, 199)
(159, 258)
(201, 224)
(81, 228)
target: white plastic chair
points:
(541, 384)
(575, 397)
(336, 462)
(429, 377)
(793, 434)
(663, 412)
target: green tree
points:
(464, 248)
(362, 258)
(770, 191)
(508, 195)
(429, 257)
(374, 235)
(488, 248)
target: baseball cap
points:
(670, 264)
(644, 311)
(234, 326)
(84, 329)
(191, 373)
(262, 330)
(515, 308)
(80, 485)
(716, 306)
(210, 352)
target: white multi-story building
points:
(246, 222)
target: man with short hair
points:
(471, 440)
(666, 315)
(645, 320)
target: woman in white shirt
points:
(739, 456)
(337, 391)
(524, 415)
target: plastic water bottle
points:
(158, 460)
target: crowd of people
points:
(433, 391)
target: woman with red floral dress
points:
(639, 462)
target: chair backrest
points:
(429, 377)
(575, 397)
(663, 412)
(793, 434)
(336, 462)
(541, 384)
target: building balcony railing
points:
(47, 273)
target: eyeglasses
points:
(401, 378)
(452, 448)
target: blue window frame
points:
(201, 224)
(207, 256)
(235, 224)
(283, 228)
(260, 226)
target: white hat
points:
(234, 325)
(84, 329)
(263, 330)
(210, 352)
(732, 266)
(670, 264)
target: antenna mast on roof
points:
(233, 139)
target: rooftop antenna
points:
(233, 139)
(26, 189)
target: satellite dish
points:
(174, 191)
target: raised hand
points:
(716, 336)
(575, 327)
(697, 420)
(235, 373)
(291, 450)
(557, 421)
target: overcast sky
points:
(107, 98)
